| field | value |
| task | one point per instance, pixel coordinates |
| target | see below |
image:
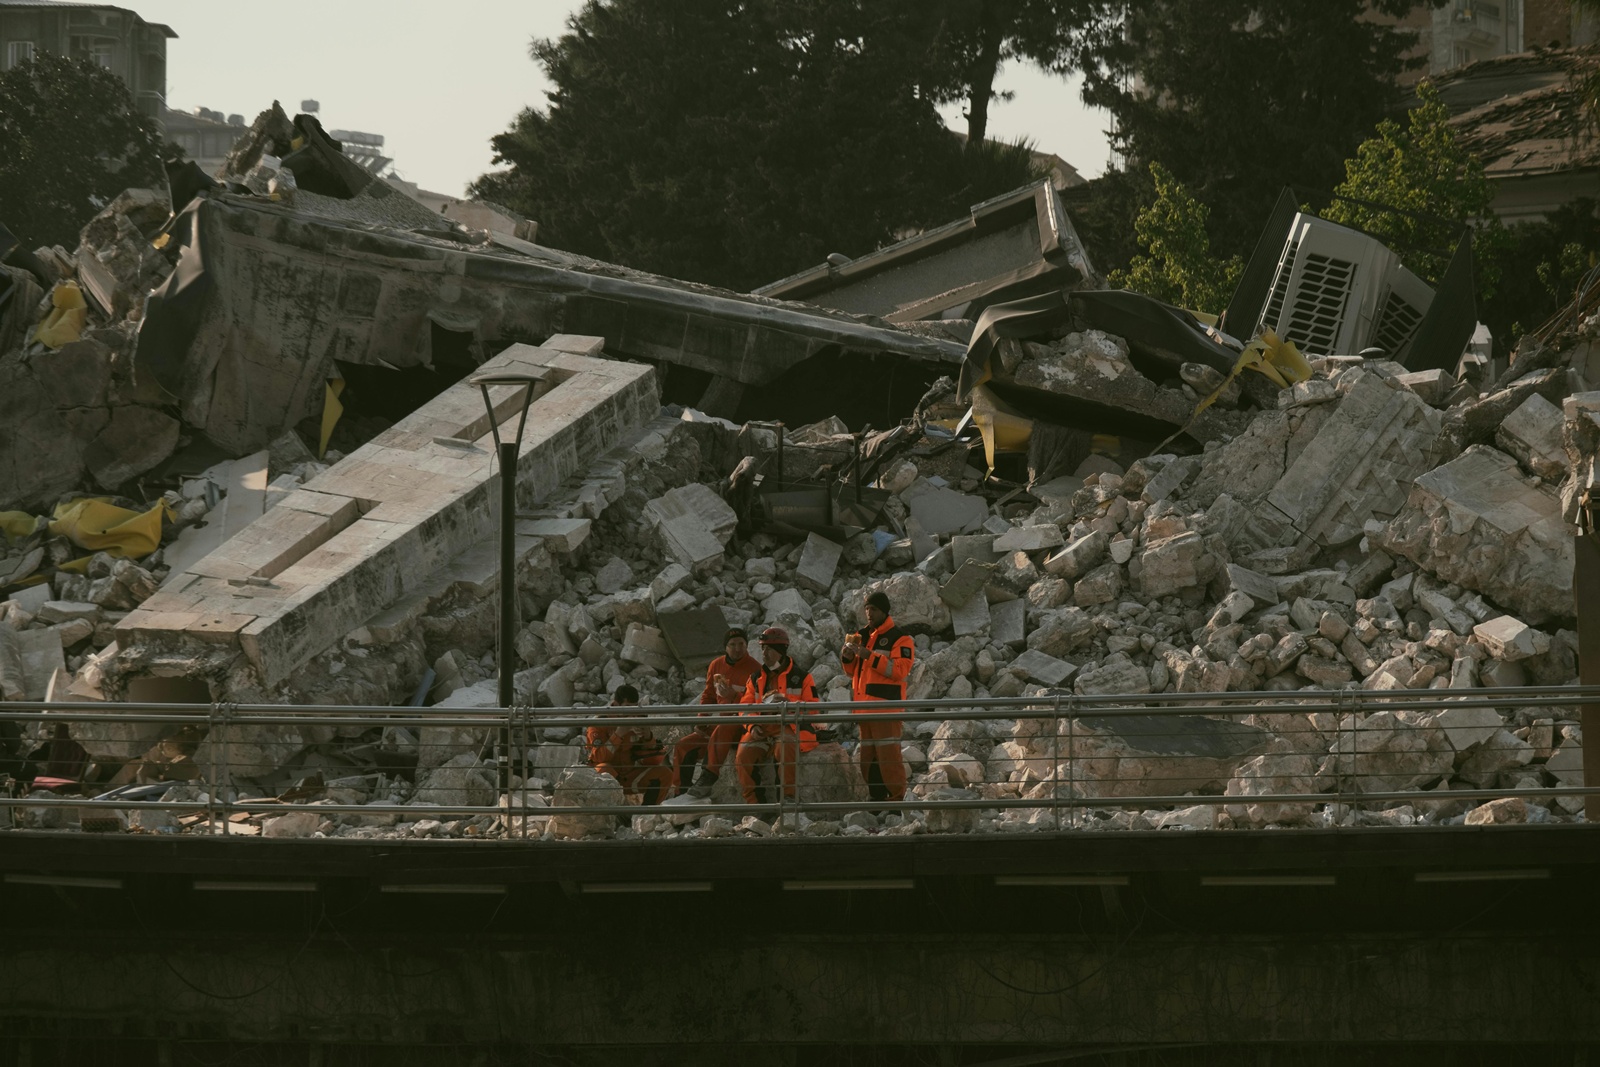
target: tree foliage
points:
(972, 39)
(737, 141)
(72, 140)
(1238, 98)
(1180, 267)
(1439, 187)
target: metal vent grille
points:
(1280, 285)
(1320, 303)
(1397, 321)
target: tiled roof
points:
(1523, 114)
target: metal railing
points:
(1057, 761)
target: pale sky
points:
(438, 80)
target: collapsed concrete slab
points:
(378, 525)
(1478, 521)
(245, 334)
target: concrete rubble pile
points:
(1375, 531)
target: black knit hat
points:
(879, 600)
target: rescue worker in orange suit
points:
(878, 657)
(630, 754)
(780, 680)
(710, 744)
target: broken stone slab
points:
(13, 680)
(1062, 631)
(459, 782)
(1100, 586)
(1170, 479)
(1465, 727)
(1509, 638)
(971, 617)
(945, 511)
(1142, 755)
(613, 577)
(1433, 386)
(1046, 670)
(828, 774)
(1477, 521)
(136, 440)
(1080, 556)
(560, 535)
(979, 547)
(1380, 753)
(1112, 678)
(673, 577)
(645, 646)
(1029, 539)
(819, 563)
(786, 602)
(968, 580)
(41, 655)
(704, 503)
(1272, 773)
(58, 611)
(1008, 623)
(584, 787)
(1360, 463)
(1173, 564)
(1532, 433)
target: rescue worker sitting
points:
(709, 744)
(780, 680)
(878, 657)
(630, 754)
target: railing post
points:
(1055, 761)
(229, 710)
(213, 779)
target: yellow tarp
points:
(67, 316)
(331, 410)
(96, 524)
(17, 523)
(1004, 428)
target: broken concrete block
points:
(1465, 727)
(673, 577)
(786, 602)
(1433, 386)
(645, 646)
(294, 824)
(1080, 556)
(702, 501)
(1509, 638)
(819, 563)
(1170, 478)
(1029, 539)
(1478, 522)
(1503, 810)
(41, 655)
(560, 535)
(1120, 677)
(1100, 586)
(13, 680)
(1046, 670)
(968, 580)
(1532, 433)
(682, 600)
(1008, 623)
(1273, 773)
(972, 616)
(979, 547)
(1175, 563)
(945, 511)
(133, 442)
(584, 787)
(614, 576)
(1360, 463)
(1567, 763)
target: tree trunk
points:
(984, 68)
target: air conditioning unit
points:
(1338, 291)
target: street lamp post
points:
(506, 451)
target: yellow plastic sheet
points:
(1004, 428)
(331, 410)
(1265, 354)
(96, 524)
(17, 523)
(68, 314)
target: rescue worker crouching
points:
(630, 754)
(708, 745)
(878, 657)
(780, 680)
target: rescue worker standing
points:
(878, 657)
(630, 754)
(709, 744)
(779, 680)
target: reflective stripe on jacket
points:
(782, 680)
(879, 673)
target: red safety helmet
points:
(775, 635)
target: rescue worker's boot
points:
(703, 785)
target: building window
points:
(18, 52)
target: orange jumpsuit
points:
(712, 744)
(879, 673)
(631, 756)
(762, 738)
